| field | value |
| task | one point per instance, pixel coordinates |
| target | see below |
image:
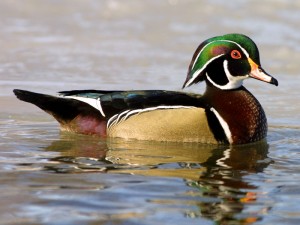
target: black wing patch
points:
(111, 103)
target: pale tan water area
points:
(48, 177)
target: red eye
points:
(235, 54)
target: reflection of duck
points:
(71, 145)
(216, 173)
(191, 157)
(226, 113)
(224, 180)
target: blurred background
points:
(55, 45)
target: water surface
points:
(49, 177)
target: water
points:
(48, 177)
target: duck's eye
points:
(235, 54)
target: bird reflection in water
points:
(215, 173)
(224, 180)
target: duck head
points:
(225, 61)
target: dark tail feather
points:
(63, 110)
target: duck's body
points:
(226, 113)
(144, 115)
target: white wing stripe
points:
(91, 101)
(112, 120)
(126, 114)
(100, 107)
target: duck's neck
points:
(238, 112)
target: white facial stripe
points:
(211, 81)
(96, 103)
(244, 50)
(223, 124)
(197, 72)
(234, 81)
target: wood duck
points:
(227, 113)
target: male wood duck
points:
(227, 113)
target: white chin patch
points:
(234, 81)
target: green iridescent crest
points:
(214, 48)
